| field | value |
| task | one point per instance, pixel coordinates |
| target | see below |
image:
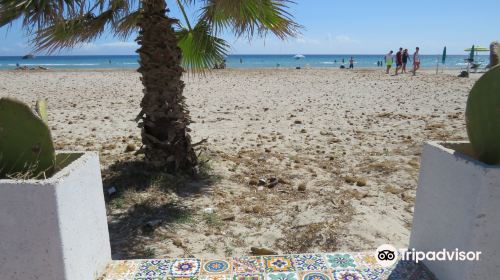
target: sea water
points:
(232, 61)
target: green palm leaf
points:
(250, 17)
(200, 49)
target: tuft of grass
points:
(118, 203)
(182, 217)
(228, 251)
(210, 248)
(149, 253)
(212, 219)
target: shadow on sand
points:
(134, 224)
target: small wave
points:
(130, 63)
(55, 64)
(328, 62)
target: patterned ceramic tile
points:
(334, 266)
(375, 273)
(216, 277)
(185, 267)
(315, 275)
(365, 260)
(282, 276)
(348, 274)
(247, 265)
(309, 262)
(258, 276)
(152, 269)
(340, 261)
(215, 267)
(278, 263)
(181, 278)
(122, 270)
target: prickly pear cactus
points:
(26, 147)
(41, 109)
(483, 117)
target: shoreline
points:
(382, 69)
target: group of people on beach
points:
(402, 59)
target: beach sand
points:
(343, 145)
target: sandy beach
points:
(343, 147)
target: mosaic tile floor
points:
(334, 266)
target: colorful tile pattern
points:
(278, 263)
(332, 266)
(211, 267)
(315, 275)
(309, 262)
(247, 265)
(185, 267)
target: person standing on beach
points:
(351, 63)
(399, 60)
(388, 61)
(416, 61)
(406, 56)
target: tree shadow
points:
(133, 226)
(130, 232)
(135, 175)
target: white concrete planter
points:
(55, 228)
(458, 206)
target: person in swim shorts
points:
(388, 61)
(406, 57)
(416, 61)
(399, 60)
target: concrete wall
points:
(56, 228)
(457, 206)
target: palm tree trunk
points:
(164, 117)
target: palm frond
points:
(251, 17)
(67, 33)
(127, 25)
(87, 26)
(35, 13)
(200, 49)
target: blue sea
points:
(233, 61)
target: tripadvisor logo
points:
(387, 255)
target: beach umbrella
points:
(443, 58)
(478, 49)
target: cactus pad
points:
(41, 110)
(26, 147)
(483, 117)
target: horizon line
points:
(234, 54)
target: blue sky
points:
(339, 27)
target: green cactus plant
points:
(26, 147)
(41, 110)
(483, 117)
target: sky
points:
(336, 27)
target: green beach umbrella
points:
(478, 49)
(443, 58)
